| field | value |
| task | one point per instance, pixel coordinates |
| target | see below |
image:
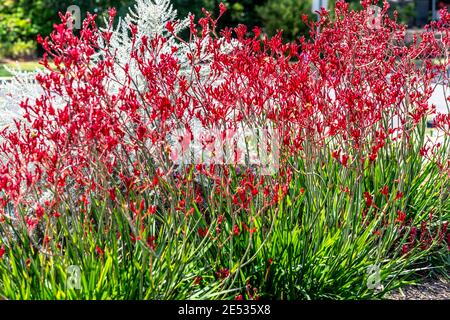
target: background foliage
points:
(22, 20)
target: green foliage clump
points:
(285, 15)
(16, 31)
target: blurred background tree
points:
(406, 9)
(284, 15)
(239, 12)
(22, 20)
(16, 31)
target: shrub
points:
(285, 15)
(97, 171)
(15, 32)
(18, 50)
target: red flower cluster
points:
(94, 130)
(223, 273)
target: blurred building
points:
(416, 13)
(424, 10)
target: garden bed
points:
(108, 190)
(428, 289)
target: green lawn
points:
(26, 66)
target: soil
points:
(430, 289)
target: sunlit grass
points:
(22, 65)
